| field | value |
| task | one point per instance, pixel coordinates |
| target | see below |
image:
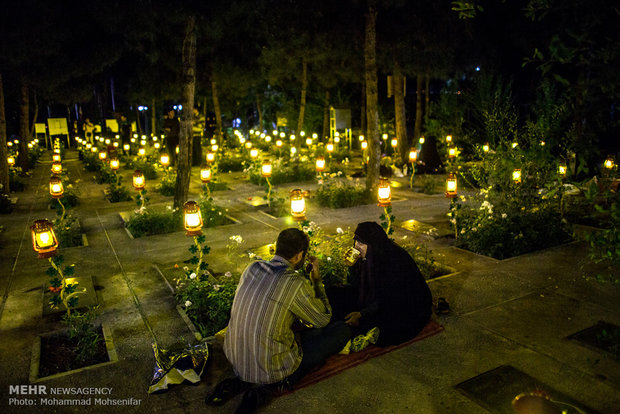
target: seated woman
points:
(386, 289)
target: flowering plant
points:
(330, 250)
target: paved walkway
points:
(515, 312)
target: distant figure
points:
(89, 128)
(171, 128)
(197, 129)
(125, 129)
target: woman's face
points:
(361, 247)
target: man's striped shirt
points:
(271, 296)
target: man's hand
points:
(353, 318)
(315, 275)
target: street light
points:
(384, 193)
(138, 180)
(451, 152)
(394, 142)
(192, 219)
(298, 205)
(44, 239)
(609, 163)
(421, 141)
(451, 186)
(364, 145)
(562, 169)
(448, 138)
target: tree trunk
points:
(216, 109)
(399, 111)
(363, 108)
(302, 102)
(36, 114)
(138, 124)
(417, 129)
(24, 128)
(372, 111)
(427, 97)
(4, 166)
(153, 118)
(187, 114)
(325, 115)
(259, 108)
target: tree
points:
(372, 110)
(4, 166)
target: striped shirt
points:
(270, 297)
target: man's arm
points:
(310, 303)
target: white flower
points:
(329, 259)
(404, 237)
(504, 215)
(228, 274)
(188, 303)
(169, 207)
(339, 230)
(192, 276)
(487, 205)
(236, 238)
(463, 198)
(216, 287)
(251, 255)
(462, 231)
(185, 268)
(474, 229)
(306, 229)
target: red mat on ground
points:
(338, 363)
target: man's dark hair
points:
(290, 242)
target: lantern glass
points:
(114, 164)
(138, 180)
(193, 218)
(516, 176)
(205, 174)
(103, 155)
(165, 160)
(142, 152)
(210, 156)
(254, 153)
(279, 143)
(413, 155)
(384, 193)
(126, 147)
(266, 169)
(485, 147)
(44, 239)
(394, 142)
(451, 186)
(215, 147)
(329, 147)
(562, 170)
(11, 161)
(320, 164)
(56, 167)
(248, 145)
(56, 157)
(448, 138)
(336, 139)
(609, 163)
(422, 140)
(308, 141)
(56, 188)
(451, 152)
(364, 145)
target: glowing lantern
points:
(125, 147)
(11, 161)
(254, 153)
(329, 147)
(516, 176)
(485, 147)
(320, 164)
(274, 132)
(384, 192)
(89, 145)
(107, 141)
(193, 218)
(56, 188)
(292, 137)
(44, 240)
(114, 164)
(394, 142)
(103, 155)
(384, 137)
(542, 143)
(293, 150)
(336, 139)
(138, 180)
(176, 149)
(451, 152)
(265, 169)
(562, 169)
(142, 152)
(133, 140)
(241, 140)
(515, 144)
(143, 142)
(205, 174)
(361, 137)
(268, 138)
(364, 145)
(94, 150)
(609, 163)
(210, 156)
(413, 155)
(215, 147)
(248, 145)
(421, 140)
(56, 157)
(56, 167)
(308, 141)
(115, 144)
(298, 205)
(164, 159)
(213, 141)
(449, 138)
(279, 143)
(451, 187)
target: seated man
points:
(260, 342)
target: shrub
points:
(68, 231)
(117, 193)
(233, 162)
(283, 173)
(167, 185)
(106, 175)
(212, 215)
(329, 249)
(147, 222)
(341, 194)
(5, 204)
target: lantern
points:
(265, 169)
(10, 161)
(44, 240)
(384, 137)
(361, 137)
(485, 147)
(56, 167)
(89, 145)
(516, 176)
(126, 147)
(254, 153)
(449, 138)
(205, 174)
(192, 219)
(609, 163)
(394, 142)
(293, 150)
(241, 140)
(176, 149)
(562, 169)
(292, 137)
(298, 205)
(337, 139)
(248, 145)
(215, 147)
(56, 189)
(413, 155)
(315, 135)
(279, 143)
(138, 180)
(384, 192)
(94, 150)
(142, 152)
(320, 164)
(364, 145)
(421, 140)
(542, 143)
(302, 133)
(108, 141)
(268, 138)
(56, 157)
(515, 144)
(451, 152)
(210, 157)
(451, 186)
(114, 164)
(308, 141)
(103, 155)
(164, 159)
(329, 147)
(115, 144)
(213, 141)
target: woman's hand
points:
(353, 318)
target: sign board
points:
(112, 125)
(40, 129)
(58, 126)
